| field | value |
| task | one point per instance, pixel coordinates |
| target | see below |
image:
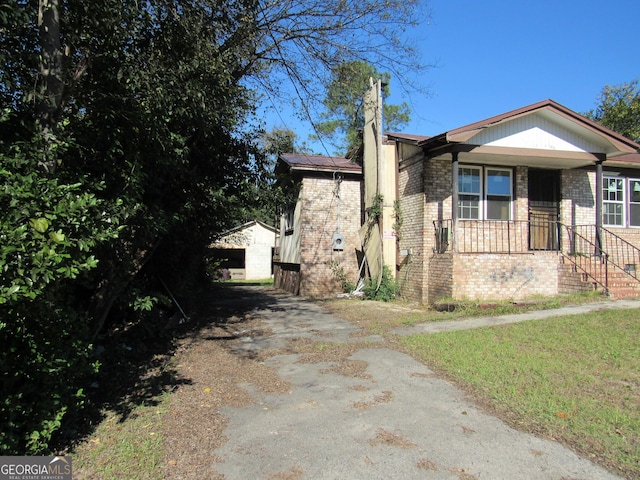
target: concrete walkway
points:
(395, 420)
(469, 323)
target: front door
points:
(544, 209)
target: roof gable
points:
(245, 234)
(540, 131)
(545, 125)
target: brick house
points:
(536, 201)
(318, 243)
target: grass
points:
(574, 378)
(123, 449)
(380, 317)
(537, 373)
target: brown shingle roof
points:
(302, 161)
(408, 137)
(464, 133)
(629, 160)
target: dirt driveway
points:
(281, 389)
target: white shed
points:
(247, 251)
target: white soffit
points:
(544, 130)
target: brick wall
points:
(321, 203)
(502, 277)
(425, 195)
(521, 206)
(577, 206)
(440, 277)
(410, 272)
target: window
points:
(487, 197)
(634, 202)
(613, 201)
(498, 194)
(469, 193)
(288, 218)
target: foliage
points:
(305, 40)
(344, 115)
(388, 289)
(137, 154)
(124, 148)
(276, 188)
(337, 268)
(398, 219)
(374, 212)
(48, 230)
(619, 109)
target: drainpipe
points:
(454, 199)
(598, 206)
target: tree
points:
(619, 109)
(273, 189)
(304, 41)
(344, 115)
(124, 148)
(128, 147)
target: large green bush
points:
(48, 230)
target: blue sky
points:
(493, 56)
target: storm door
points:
(544, 209)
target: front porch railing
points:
(493, 236)
(596, 252)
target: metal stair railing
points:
(588, 257)
(624, 256)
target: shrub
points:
(346, 285)
(387, 291)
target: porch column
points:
(598, 195)
(454, 198)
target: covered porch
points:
(525, 211)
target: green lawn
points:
(575, 378)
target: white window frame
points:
(483, 175)
(630, 197)
(606, 179)
(509, 196)
(479, 193)
(289, 219)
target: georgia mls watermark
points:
(35, 468)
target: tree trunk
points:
(111, 288)
(51, 72)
